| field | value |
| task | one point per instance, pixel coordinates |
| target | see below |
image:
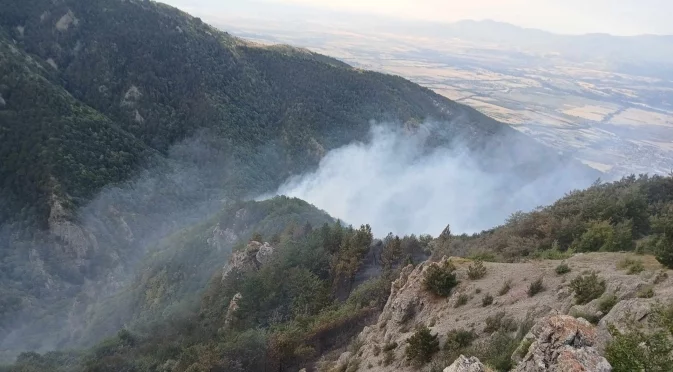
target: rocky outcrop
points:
(463, 364)
(221, 239)
(67, 20)
(264, 253)
(76, 240)
(410, 305)
(561, 343)
(231, 311)
(251, 258)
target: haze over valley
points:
(606, 100)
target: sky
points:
(617, 17)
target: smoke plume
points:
(396, 184)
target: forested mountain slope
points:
(123, 122)
(160, 75)
(282, 311)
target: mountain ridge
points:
(146, 120)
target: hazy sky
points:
(620, 17)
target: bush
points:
(422, 346)
(592, 318)
(500, 322)
(535, 287)
(388, 358)
(390, 346)
(661, 277)
(477, 270)
(440, 279)
(600, 236)
(487, 300)
(563, 268)
(647, 292)
(631, 266)
(462, 300)
(607, 303)
(662, 242)
(587, 288)
(459, 339)
(635, 350)
(524, 346)
(496, 352)
(506, 286)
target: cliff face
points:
(410, 306)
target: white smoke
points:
(393, 183)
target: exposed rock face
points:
(463, 364)
(66, 21)
(251, 258)
(77, 240)
(222, 238)
(561, 343)
(264, 253)
(231, 311)
(634, 310)
(411, 305)
(131, 97)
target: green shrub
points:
(459, 339)
(536, 287)
(563, 268)
(388, 358)
(635, 350)
(390, 346)
(592, 318)
(587, 287)
(506, 286)
(477, 291)
(600, 236)
(662, 242)
(497, 351)
(524, 346)
(462, 300)
(477, 270)
(606, 303)
(631, 266)
(440, 279)
(487, 300)
(500, 322)
(554, 254)
(647, 292)
(661, 277)
(422, 346)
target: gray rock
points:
(463, 364)
(249, 259)
(634, 310)
(562, 343)
(264, 253)
(231, 311)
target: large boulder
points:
(463, 364)
(561, 343)
(250, 259)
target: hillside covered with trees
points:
(131, 136)
(314, 297)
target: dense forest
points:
(306, 301)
